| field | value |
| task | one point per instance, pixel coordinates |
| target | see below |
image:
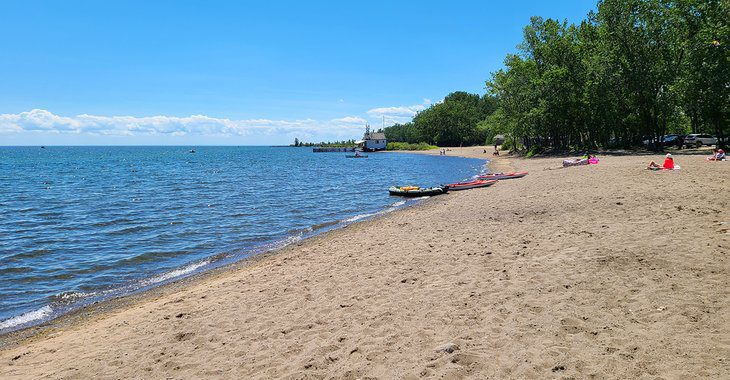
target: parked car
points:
(665, 141)
(673, 140)
(698, 139)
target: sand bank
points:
(606, 271)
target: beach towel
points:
(676, 167)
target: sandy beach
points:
(600, 271)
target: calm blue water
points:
(79, 224)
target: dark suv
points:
(673, 140)
(666, 141)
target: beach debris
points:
(447, 348)
(183, 336)
(558, 368)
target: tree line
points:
(632, 70)
(330, 144)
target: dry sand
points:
(601, 271)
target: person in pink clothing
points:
(718, 156)
(667, 165)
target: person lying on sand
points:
(577, 161)
(718, 156)
(668, 164)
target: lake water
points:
(82, 224)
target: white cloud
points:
(39, 120)
(350, 120)
(398, 114)
(396, 111)
(31, 125)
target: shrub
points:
(408, 146)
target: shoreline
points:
(113, 303)
(595, 272)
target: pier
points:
(328, 150)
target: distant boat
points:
(43, 147)
(192, 150)
(357, 156)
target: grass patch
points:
(409, 146)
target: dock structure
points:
(372, 140)
(320, 149)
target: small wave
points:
(358, 217)
(279, 244)
(300, 231)
(240, 215)
(398, 204)
(175, 273)
(13, 270)
(69, 297)
(130, 230)
(28, 317)
(49, 214)
(112, 222)
(152, 256)
(324, 225)
(291, 240)
(31, 254)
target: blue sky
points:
(248, 73)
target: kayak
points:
(471, 184)
(503, 175)
(415, 191)
(361, 156)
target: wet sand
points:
(600, 271)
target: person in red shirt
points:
(667, 165)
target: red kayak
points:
(471, 184)
(503, 175)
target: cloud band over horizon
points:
(40, 121)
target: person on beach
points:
(667, 165)
(719, 155)
(577, 161)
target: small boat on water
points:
(471, 184)
(192, 150)
(503, 175)
(415, 191)
(357, 156)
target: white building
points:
(373, 140)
